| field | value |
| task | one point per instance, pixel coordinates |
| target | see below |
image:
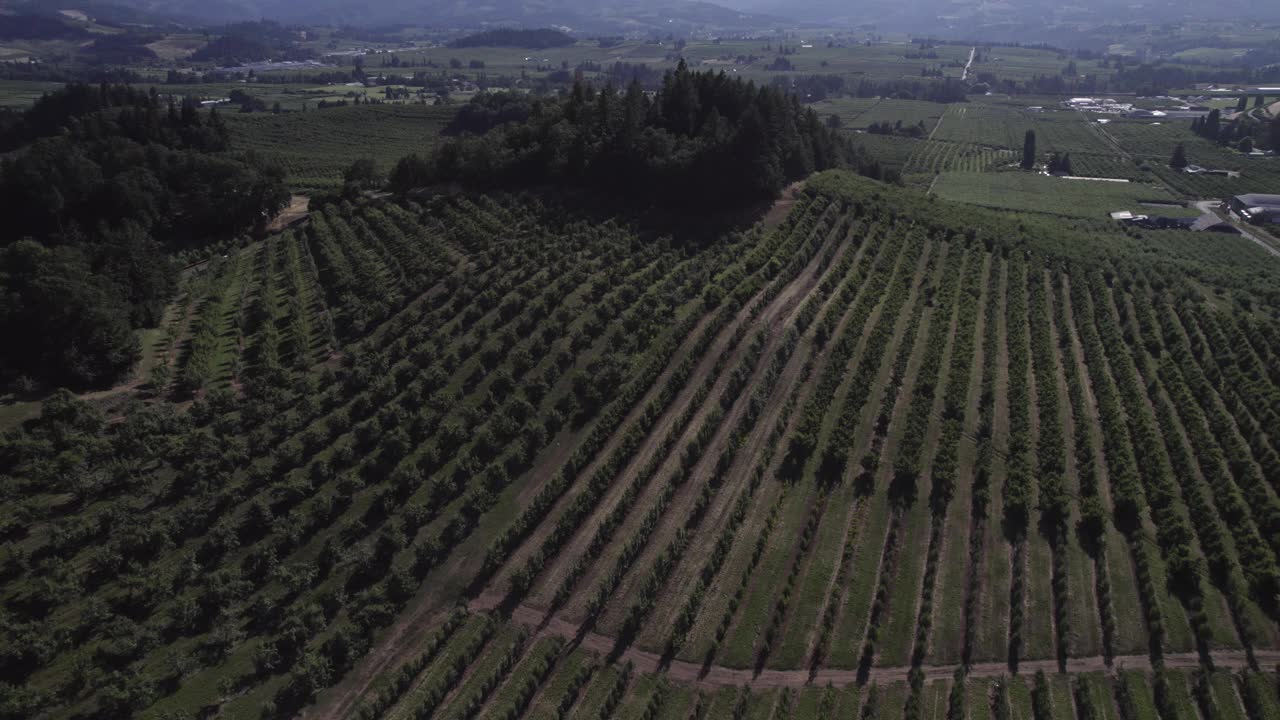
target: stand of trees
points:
(1243, 131)
(505, 37)
(105, 182)
(1060, 163)
(251, 41)
(704, 140)
(917, 131)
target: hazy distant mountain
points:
(676, 16)
(1015, 18)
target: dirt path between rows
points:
(782, 206)
(779, 315)
(295, 211)
(718, 676)
(399, 643)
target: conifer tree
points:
(1029, 150)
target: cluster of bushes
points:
(950, 90)
(693, 450)
(616, 692)
(198, 367)
(957, 702)
(671, 554)
(898, 128)
(428, 553)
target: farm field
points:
(317, 146)
(1029, 192)
(23, 93)
(1151, 144)
(490, 457)
(1003, 126)
(934, 157)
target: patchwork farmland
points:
(481, 459)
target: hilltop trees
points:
(108, 180)
(704, 140)
(538, 39)
(68, 324)
(1029, 150)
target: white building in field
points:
(1103, 106)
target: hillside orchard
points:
(486, 457)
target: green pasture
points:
(316, 146)
(1031, 192)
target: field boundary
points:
(720, 676)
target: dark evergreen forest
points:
(104, 184)
(704, 140)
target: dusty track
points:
(296, 211)
(718, 676)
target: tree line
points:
(703, 140)
(104, 183)
(1242, 131)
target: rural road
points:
(714, 676)
(964, 76)
(1206, 207)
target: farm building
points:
(1255, 208)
